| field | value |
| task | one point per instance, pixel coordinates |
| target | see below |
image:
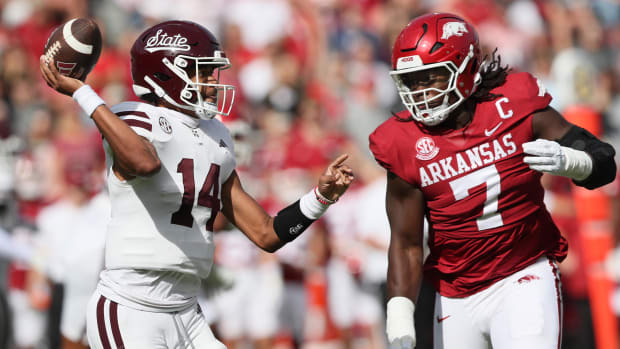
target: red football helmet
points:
(163, 56)
(441, 42)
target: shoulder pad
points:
(220, 134)
(391, 147)
(527, 90)
(144, 119)
(218, 131)
(518, 98)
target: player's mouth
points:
(434, 105)
(208, 94)
(210, 99)
(435, 102)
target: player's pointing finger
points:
(338, 161)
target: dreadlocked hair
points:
(492, 74)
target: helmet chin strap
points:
(207, 111)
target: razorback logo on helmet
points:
(453, 28)
(426, 148)
(163, 41)
(65, 68)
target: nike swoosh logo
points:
(491, 131)
(440, 319)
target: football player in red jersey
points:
(171, 169)
(468, 154)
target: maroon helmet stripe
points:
(101, 324)
(116, 332)
(138, 114)
(138, 123)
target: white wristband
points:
(88, 99)
(399, 318)
(311, 207)
(322, 199)
(577, 164)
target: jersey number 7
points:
(490, 218)
(183, 216)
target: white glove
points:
(399, 324)
(549, 156)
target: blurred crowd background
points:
(312, 82)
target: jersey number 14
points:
(207, 197)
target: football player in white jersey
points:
(171, 168)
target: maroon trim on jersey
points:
(116, 331)
(137, 123)
(138, 114)
(558, 293)
(103, 336)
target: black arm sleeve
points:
(290, 222)
(602, 154)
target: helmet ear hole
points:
(161, 76)
(436, 47)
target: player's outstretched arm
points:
(135, 155)
(567, 150)
(271, 233)
(405, 210)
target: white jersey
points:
(164, 222)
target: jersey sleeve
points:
(138, 116)
(379, 146)
(526, 92)
(386, 149)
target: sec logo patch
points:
(165, 126)
(426, 148)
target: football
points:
(75, 47)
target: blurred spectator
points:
(69, 252)
(248, 309)
(357, 269)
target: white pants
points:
(523, 310)
(114, 326)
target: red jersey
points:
(484, 205)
